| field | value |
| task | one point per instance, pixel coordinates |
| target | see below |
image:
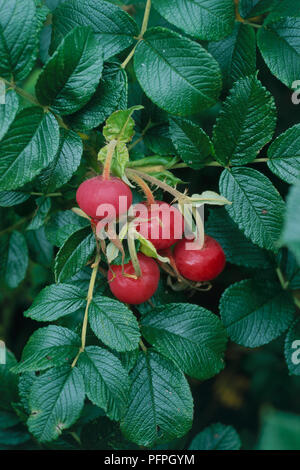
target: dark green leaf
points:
(114, 324)
(292, 348)
(279, 43)
(48, 347)
(13, 258)
(216, 437)
(160, 402)
(12, 198)
(56, 401)
(191, 336)
(236, 54)
(106, 381)
(18, 38)
(56, 301)
(257, 207)
(191, 142)
(110, 95)
(291, 232)
(62, 225)
(8, 383)
(208, 20)
(43, 208)
(30, 145)
(158, 140)
(238, 249)
(8, 111)
(252, 8)
(245, 124)
(74, 254)
(176, 73)
(40, 250)
(284, 155)
(71, 75)
(256, 312)
(114, 27)
(64, 165)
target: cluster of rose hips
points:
(197, 264)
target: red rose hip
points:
(199, 264)
(130, 290)
(160, 223)
(97, 191)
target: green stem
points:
(140, 36)
(88, 303)
(145, 19)
(283, 282)
(142, 345)
(16, 225)
(22, 93)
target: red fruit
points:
(199, 264)
(96, 191)
(134, 291)
(160, 223)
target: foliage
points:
(192, 99)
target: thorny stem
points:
(140, 36)
(130, 172)
(88, 303)
(133, 253)
(144, 186)
(110, 152)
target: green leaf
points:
(158, 140)
(48, 347)
(216, 437)
(110, 95)
(29, 146)
(292, 348)
(106, 381)
(120, 125)
(74, 254)
(257, 207)
(279, 431)
(24, 386)
(203, 19)
(238, 249)
(66, 162)
(12, 198)
(8, 111)
(177, 74)
(160, 402)
(284, 155)
(18, 38)
(256, 312)
(114, 27)
(290, 268)
(43, 208)
(252, 8)
(245, 124)
(279, 44)
(13, 258)
(56, 401)
(191, 142)
(8, 383)
(114, 324)
(236, 54)
(41, 251)
(62, 225)
(291, 231)
(56, 301)
(71, 75)
(191, 336)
